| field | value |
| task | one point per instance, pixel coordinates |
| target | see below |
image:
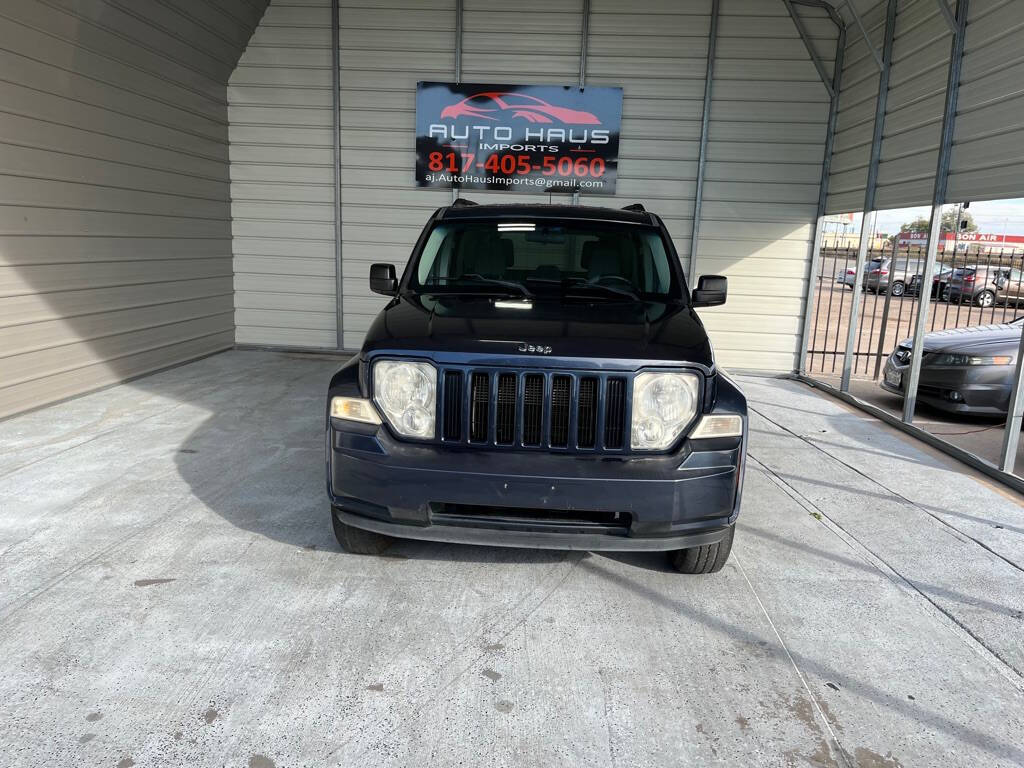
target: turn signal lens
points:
(718, 425)
(354, 409)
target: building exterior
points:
(182, 176)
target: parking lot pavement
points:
(171, 594)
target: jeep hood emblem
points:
(536, 348)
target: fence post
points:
(885, 307)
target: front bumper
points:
(534, 498)
(982, 390)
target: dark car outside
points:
(963, 370)
(986, 286)
(941, 276)
(540, 378)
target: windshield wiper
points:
(510, 284)
(602, 287)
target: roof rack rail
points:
(462, 202)
(635, 207)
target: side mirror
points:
(710, 291)
(383, 279)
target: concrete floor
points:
(171, 594)
(982, 436)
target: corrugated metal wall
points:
(282, 179)
(855, 123)
(386, 46)
(913, 117)
(765, 147)
(988, 144)
(115, 253)
(769, 112)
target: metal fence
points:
(968, 288)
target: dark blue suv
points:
(539, 379)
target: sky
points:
(992, 216)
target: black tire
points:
(985, 299)
(708, 558)
(897, 289)
(357, 541)
(946, 295)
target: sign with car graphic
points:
(518, 138)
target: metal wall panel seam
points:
(703, 149)
(584, 35)
(336, 149)
(868, 217)
(458, 66)
(938, 198)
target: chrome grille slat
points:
(559, 411)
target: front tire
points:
(897, 289)
(985, 299)
(708, 558)
(357, 541)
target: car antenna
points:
(462, 202)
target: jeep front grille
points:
(562, 410)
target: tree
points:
(921, 224)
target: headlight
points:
(406, 393)
(663, 404)
(956, 360)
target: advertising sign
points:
(518, 138)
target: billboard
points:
(517, 138)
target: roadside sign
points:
(519, 138)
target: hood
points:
(648, 330)
(973, 338)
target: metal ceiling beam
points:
(948, 15)
(826, 172)
(938, 198)
(809, 45)
(698, 202)
(867, 224)
(850, 4)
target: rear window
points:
(546, 256)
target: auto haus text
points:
(499, 137)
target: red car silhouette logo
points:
(494, 105)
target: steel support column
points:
(938, 198)
(339, 303)
(1011, 435)
(869, 216)
(702, 152)
(458, 66)
(584, 39)
(826, 171)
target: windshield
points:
(528, 258)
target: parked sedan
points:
(986, 286)
(963, 370)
